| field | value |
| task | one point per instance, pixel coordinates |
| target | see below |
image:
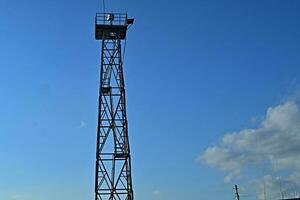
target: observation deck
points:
(111, 26)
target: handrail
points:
(117, 19)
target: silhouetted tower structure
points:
(113, 165)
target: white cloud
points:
(274, 143)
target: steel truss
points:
(113, 161)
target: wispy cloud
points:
(82, 124)
(275, 143)
(156, 192)
(16, 197)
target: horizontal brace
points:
(112, 126)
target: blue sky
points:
(194, 71)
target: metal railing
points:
(111, 19)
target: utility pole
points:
(237, 195)
(113, 161)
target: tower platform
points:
(111, 26)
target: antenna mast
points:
(280, 187)
(103, 4)
(265, 193)
(237, 195)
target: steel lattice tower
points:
(113, 161)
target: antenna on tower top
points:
(103, 5)
(265, 193)
(237, 195)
